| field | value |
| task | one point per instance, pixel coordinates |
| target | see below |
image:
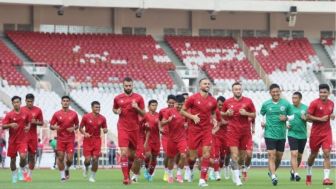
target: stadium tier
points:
(220, 57)
(98, 58)
(330, 46)
(8, 64)
(287, 60)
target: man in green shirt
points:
(297, 134)
(277, 111)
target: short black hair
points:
(65, 97)
(185, 94)
(221, 98)
(16, 97)
(171, 97)
(202, 80)
(274, 86)
(30, 96)
(128, 79)
(95, 103)
(180, 98)
(235, 83)
(324, 86)
(152, 102)
(298, 94)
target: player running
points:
(91, 126)
(177, 143)
(320, 112)
(246, 162)
(297, 134)
(37, 120)
(164, 133)
(129, 106)
(277, 111)
(18, 123)
(238, 110)
(65, 122)
(200, 108)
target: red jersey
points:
(22, 119)
(153, 122)
(65, 120)
(161, 116)
(238, 122)
(142, 129)
(128, 118)
(176, 126)
(93, 123)
(319, 108)
(204, 107)
(36, 113)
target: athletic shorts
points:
(249, 145)
(275, 144)
(240, 140)
(66, 146)
(32, 145)
(128, 139)
(174, 148)
(92, 147)
(316, 142)
(297, 144)
(140, 150)
(15, 147)
(197, 139)
(153, 148)
(164, 140)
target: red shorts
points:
(249, 145)
(316, 142)
(14, 148)
(164, 140)
(128, 139)
(32, 145)
(197, 138)
(66, 146)
(154, 148)
(92, 147)
(140, 151)
(174, 148)
(240, 140)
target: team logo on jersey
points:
(14, 119)
(60, 117)
(198, 102)
(90, 121)
(270, 109)
(321, 108)
(282, 108)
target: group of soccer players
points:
(217, 132)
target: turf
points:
(111, 179)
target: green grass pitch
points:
(111, 179)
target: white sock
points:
(166, 170)
(326, 173)
(30, 172)
(236, 174)
(67, 168)
(273, 176)
(309, 170)
(179, 171)
(62, 174)
(22, 169)
(187, 168)
(93, 174)
(14, 173)
(170, 173)
(296, 174)
(245, 169)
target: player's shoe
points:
(233, 177)
(63, 180)
(91, 179)
(126, 181)
(308, 180)
(28, 179)
(239, 182)
(297, 178)
(327, 182)
(170, 180)
(202, 183)
(14, 178)
(20, 175)
(179, 179)
(134, 178)
(217, 176)
(165, 176)
(275, 181)
(67, 174)
(146, 174)
(292, 177)
(212, 175)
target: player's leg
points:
(32, 151)
(235, 164)
(22, 150)
(294, 146)
(165, 158)
(148, 160)
(315, 143)
(247, 163)
(280, 148)
(68, 162)
(271, 151)
(171, 153)
(326, 148)
(87, 163)
(205, 163)
(194, 142)
(124, 142)
(94, 168)
(155, 151)
(60, 163)
(180, 166)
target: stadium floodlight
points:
(291, 16)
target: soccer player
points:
(128, 106)
(177, 143)
(93, 123)
(297, 134)
(152, 141)
(246, 162)
(18, 123)
(201, 108)
(238, 110)
(277, 111)
(65, 122)
(37, 120)
(320, 112)
(164, 133)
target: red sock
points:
(152, 167)
(216, 165)
(147, 163)
(124, 166)
(204, 167)
(191, 164)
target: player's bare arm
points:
(243, 112)
(86, 135)
(72, 129)
(27, 127)
(10, 125)
(195, 118)
(318, 119)
(116, 111)
(138, 109)
(54, 127)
